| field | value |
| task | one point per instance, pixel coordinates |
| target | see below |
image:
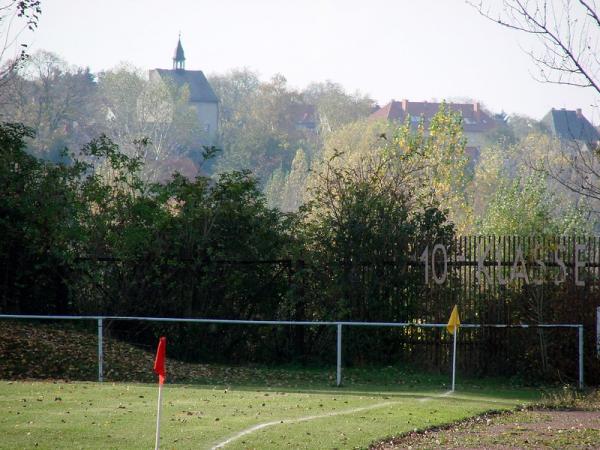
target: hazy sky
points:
(414, 49)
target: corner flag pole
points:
(453, 324)
(157, 441)
(453, 360)
(160, 369)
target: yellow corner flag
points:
(454, 321)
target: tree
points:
(295, 183)
(235, 90)
(39, 227)
(367, 212)
(257, 130)
(57, 101)
(336, 107)
(570, 164)
(16, 16)
(156, 114)
(274, 188)
(524, 206)
(429, 165)
(513, 198)
(568, 32)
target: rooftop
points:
(569, 124)
(200, 90)
(475, 119)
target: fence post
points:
(339, 355)
(580, 384)
(100, 352)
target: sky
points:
(389, 49)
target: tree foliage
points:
(524, 206)
(513, 196)
(39, 226)
(134, 109)
(335, 106)
(429, 166)
(258, 129)
(55, 100)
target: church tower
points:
(202, 98)
(179, 58)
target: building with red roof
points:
(476, 122)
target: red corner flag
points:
(159, 362)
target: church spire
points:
(179, 58)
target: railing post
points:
(339, 355)
(100, 352)
(580, 384)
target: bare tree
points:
(568, 32)
(567, 53)
(571, 163)
(16, 17)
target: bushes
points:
(40, 233)
(93, 238)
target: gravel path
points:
(539, 429)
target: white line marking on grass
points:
(300, 419)
(426, 399)
(260, 426)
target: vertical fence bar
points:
(598, 331)
(100, 352)
(339, 355)
(580, 384)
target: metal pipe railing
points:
(337, 324)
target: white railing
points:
(337, 324)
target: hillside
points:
(62, 351)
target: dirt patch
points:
(539, 429)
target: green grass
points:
(217, 402)
(49, 415)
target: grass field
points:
(51, 415)
(291, 407)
